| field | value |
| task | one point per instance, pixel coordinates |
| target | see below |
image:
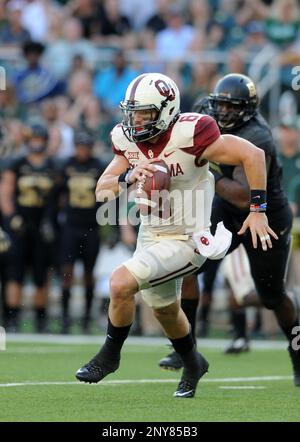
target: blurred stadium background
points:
(85, 54)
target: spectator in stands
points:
(203, 76)
(35, 82)
(113, 22)
(138, 13)
(61, 134)
(114, 28)
(79, 92)
(80, 85)
(199, 13)
(282, 26)
(99, 124)
(13, 33)
(158, 21)
(216, 36)
(9, 107)
(226, 14)
(79, 64)
(177, 31)
(236, 62)
(88, 13)
(289, 156)
(3, 13)
(109, 84)
(282, 20)
(60, 54)
(151, 62)
(56, 27)
(37, 17)
(255, 39)
(85, 112)
(12, 138)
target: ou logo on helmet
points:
(165, 90)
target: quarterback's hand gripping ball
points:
(152, 193)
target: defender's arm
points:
(229, 149)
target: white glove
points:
(213, 246)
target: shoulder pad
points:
(118, 138)
(184, 129)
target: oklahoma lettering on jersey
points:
(192, 185)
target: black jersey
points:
(258, 132)
(268, 268)
(34, 184)
(80, 181)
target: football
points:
(152, 192)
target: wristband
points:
(123, 177)
(258, 201)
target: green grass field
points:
(37, 383)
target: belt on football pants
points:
(158, 237)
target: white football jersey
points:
(192, 185)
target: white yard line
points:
(39, 349)
(133, 340)
(241, 387)
(147, 381)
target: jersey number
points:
(82, 195)
(188, 118)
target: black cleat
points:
(190, 378)
(185, 389)
(239, 345)
(295, 358)
(172, 361)
(95, 370)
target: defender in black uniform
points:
(26, 204)
(234, 106)
(5, 244)
(80, 232)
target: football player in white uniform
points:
(154, 128)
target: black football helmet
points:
(37, 135)
(83, 137)
(202, 106)
(233, 101)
